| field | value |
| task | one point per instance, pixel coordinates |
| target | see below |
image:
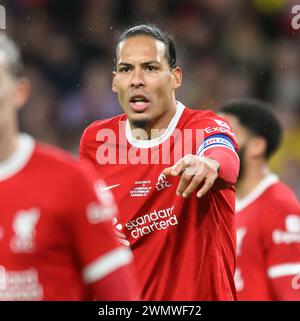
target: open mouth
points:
(139, 103)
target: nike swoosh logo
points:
(109, 187)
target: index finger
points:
(167, 171)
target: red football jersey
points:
(268, 243)
(56, 235)
(184, 249)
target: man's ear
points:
(257, 147)
(21, 93)
(176, 77)
(114, 86)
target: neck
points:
(155, 127)
(8, 143)
(252, 176)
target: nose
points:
(137, 79)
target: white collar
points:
(258, 190)
(158, 140)
(19, 159)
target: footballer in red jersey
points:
(56, 236)
(268, 213)
(172, 171)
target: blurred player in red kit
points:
(172, 170)
(56, 235)
(268, 213)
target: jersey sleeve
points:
(281, 241)
(219, 143)
(217, 133)
(85, 152)
(105, 265)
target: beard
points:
(141, 123)
(241, 154)
(141, 128)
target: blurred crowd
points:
(227, 49)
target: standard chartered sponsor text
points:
(155, 221)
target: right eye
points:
(124, 69)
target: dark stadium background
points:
(227, 48)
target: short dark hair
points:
(257, 117)
(13, 56)
(152, 31)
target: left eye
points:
(151, 68)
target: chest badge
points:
(24, 227)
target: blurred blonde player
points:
(56, 237)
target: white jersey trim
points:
(277, 271)
(259, 189)
(158, 140)
(19, 159)
(107, 264)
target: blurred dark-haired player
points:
(178, 220)
(268, 213)
(56, 236)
